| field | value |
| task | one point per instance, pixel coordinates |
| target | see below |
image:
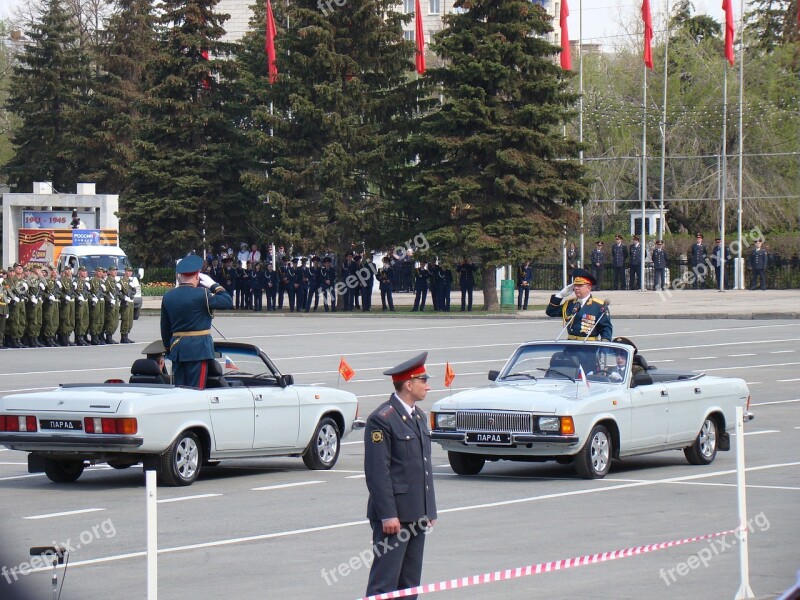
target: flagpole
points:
(723, 186)
(739, 267)
(664, 128)
(580, 113)
(643, 187)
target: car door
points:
(277, 417)
(232, 417)
(649, 416)
(686, 411)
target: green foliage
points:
(49, 82)
(495, 172)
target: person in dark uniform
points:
(585, 317)
(758, 266)
(313, 283)
(717, 253)
(421, 276)
(186, 314)
(367, 283)
(358, 288)
(299, 283)
(347, 269)
(386, 283)
(636, 254)
(228, 275)
(399, 476)
(697, 257)
(598, 262)
(466, 281)
(619, 255)
(284, 285)
(258, 282)
(271, 286)
(5, 300)
(524, 279)
(659, 265)
(446, 275)
(156, 352)
(435, 284)
(327, 277)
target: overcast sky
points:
(602, 19)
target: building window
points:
(410, 36)
(408, 6)
(557, 10)
(433, 7)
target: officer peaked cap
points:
(409, 369)
(190, 264)
(580, 276)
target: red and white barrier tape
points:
(547, 567)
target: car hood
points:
(534, 397)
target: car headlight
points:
(550, 424)
(445, 421)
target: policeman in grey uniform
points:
(399, 475)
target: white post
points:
(152, 535)
(744, 588)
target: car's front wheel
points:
(704, 449)
(180, 463)
(465, 464)
(63, 471)
(323, 450)
(594, 459)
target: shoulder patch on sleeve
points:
(387, 411)
(377, 436)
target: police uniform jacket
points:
(758, 259)
(697, 254)
(587, 321)
(636, 255)
(598, 258)
(619, 254)
(188, 310)
(716, 256)
(466, 275)
(271, 277)
(524, 276)
(386, 278)
(327, 275)
(659, 258)
(397, 464)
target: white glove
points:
(68, 298)
(119, 286)
(51, 298)
(103, 287)
(41, 286)
(112, 301)
(206, 281)
(16, 298)
(81, 298)
(565, 292)
(614, 376)
(35, 300)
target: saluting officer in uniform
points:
(399, 476)
(186, 313)
(466, 281)
(421, 276)
(524, 279)
(271, 286)
(598, 262)
(587, 317)
(386, 283)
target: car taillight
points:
(25, 423)
(126, 426)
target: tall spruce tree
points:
(114, 120)
(326, 134)
(48, 93)
(495, 172)
(186, 178)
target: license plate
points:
(479, 437)
(58, 424)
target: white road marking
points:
(165, 500)
(753, 382)
(427, 365)
(666, 360)
(3, 449)
(356, 477)
(14, 463)
(781, 351)
(753, 366)
(788, 380)
(65, 514)
(737, 355)
(762, 431)
(342, 471)
(285, 485)
(776, 402)
(703, 358)
(21, 477)
(706, 483)
(281, 534)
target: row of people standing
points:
(40, 307)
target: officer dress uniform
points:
(186, 314)
(386, 285)
(588, 321)
(598, 263)
(619, 254)
(421, 276)
(758, 266)
(466, 281)
(399, 477)
(659, 267)
(524, 279)
(636, 255)
(697, 257)
(327, 277)
(271, 286)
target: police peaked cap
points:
(409, 369)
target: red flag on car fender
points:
(420, 39)
(648, 34)
(272, 66)
(449, 375)
(345, 370)
(566, 57)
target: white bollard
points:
(744, 566)
(152, 535)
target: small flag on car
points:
(582, 375)
(229, 364)
(449, 375)
(346, 370)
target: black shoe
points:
(81, 341)
(110, 340)
(126, 340)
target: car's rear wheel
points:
(63, 471)
(180, 463)
(323, 450)
(465, 464)
(594, 459)
(704, 449)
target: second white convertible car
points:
(249, 409)
(586, 403)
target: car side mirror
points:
(493, 375)
(286, 380)
(641, 378)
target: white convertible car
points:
(249, 409)
(585, 403)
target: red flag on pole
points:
(729, 31)
(648, 34)
(449, 375)
(272, 66)
(345, 370)
(420, 39)
(566, 58)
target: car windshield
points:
(242, 361)
(607, 364)
(92, 261)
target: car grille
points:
(487, 420)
